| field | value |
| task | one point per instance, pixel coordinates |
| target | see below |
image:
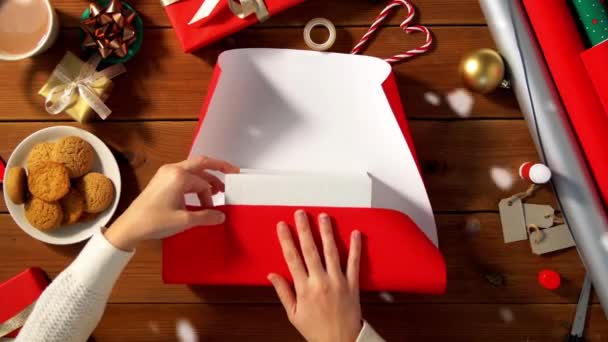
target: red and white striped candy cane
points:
(404, 25)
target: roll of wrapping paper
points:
(561, 44)
(553, 135)
(593, 19)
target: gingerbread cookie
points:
(49, 181)
(44, 216)
(40, 153)
(98, 192)
(76, 154)
(88, 217)
(16, 181)
(73, 207)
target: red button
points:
(549, 279)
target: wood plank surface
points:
(342, 12)
(492, 294)
(471, 259)
(162, 82)
(457, 157)
(421, 322)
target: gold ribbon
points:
(60, 97)
(16, 321)
(241, 9)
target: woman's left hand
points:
(160, 210)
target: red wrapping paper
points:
(221, 23)
(562, 46)
(396, 255)
(20, 291)
(595, 60)
(2, 170)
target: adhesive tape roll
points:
(320, 22)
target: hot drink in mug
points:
(27, 28)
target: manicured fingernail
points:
(219, 216)
(324, 216)
(300, 213)
(270, 277)
(356, 234)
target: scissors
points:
(578, 324)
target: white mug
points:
(49, 38)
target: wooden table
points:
(156, 106)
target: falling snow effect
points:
(185, 331)
(387, 297)
(472, 226)
(432, 98)
(501, 177)
(254, 131)
(461, 101)
(506, 314)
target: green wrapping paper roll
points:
(593, 18)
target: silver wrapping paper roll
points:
(553, 136)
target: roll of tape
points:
(324, 23)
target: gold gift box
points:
(78, 109)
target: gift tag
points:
(512, 220)
(540, 215)
(553, 239)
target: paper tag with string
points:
(551, 240)
(541, 215)
(512, 220)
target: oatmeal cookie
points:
(76, 154)
(44, 216)
(16, 181)
(98, 192)
(73, 207)
(40, 153)
(49, 182)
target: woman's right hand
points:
(325, 306)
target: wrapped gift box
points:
(78, 108)
(17, 295)
(221, 23)
(594, 60)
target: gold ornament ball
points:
(482, 70)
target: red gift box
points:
(221, 23)
(594, 60)
(2, 169)
(18, 293)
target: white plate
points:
(104, 163)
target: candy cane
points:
(404, 25)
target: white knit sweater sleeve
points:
(368, 334)
(72, 305)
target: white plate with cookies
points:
(62, 185)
